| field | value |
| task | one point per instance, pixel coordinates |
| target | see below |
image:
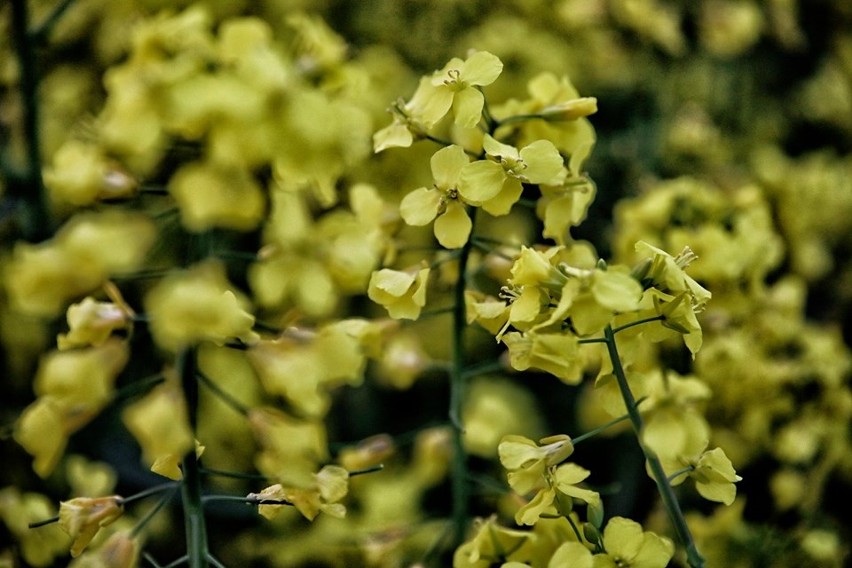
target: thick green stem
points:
(460, 488)
(28, 187)
(193, 510)
(658, 474)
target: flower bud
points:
(570, 110)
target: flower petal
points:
(481, 68)
(467, 107)
(447, 165)
(480, 181)
(452, 229)
(502, 203)
(420, 207)
(544, 164)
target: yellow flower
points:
(714, 477)
(160, 424)
(537, 268)
(329, 486)
(403, 294)
(455, 86)
(367, 453)
(81, 174)
(489, 312)
(526, 461)
(40, 279)
(291, 449)
(196, 305)
(92, 323)
(555, 353)
(38, 547)
(305, 369)
(83, 517)
(72, 387)
(570, 110)
(121, 550)
(667, 273)
(443, 202)
(625, 545)
(492, 543)
(210, 195)
(495, 184)
(42, 431)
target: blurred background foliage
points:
(722, 124)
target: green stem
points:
(638, 322)
(603, 427)
(193, 510)
(460, 488)
(29, 188)
(658, 474)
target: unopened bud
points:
(570, 110)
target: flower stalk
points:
(193, 510)
(458, 378)
(670, 502)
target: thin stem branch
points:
(39, 33)
(233, 474)
(670, 502)
(148, 492)
(638, 322)
(680, 472)
(606, 426)
(152, 513)
(229, 400)
(484, 368)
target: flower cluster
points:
(542, 469)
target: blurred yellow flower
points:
(197, 304)
(83, 517)
(160, 423)
(403, 294)
(330, 485)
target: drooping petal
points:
(452, 229)
(420, 206)
(719, 492)
(395, 135)
(482, 68)
(480, 181)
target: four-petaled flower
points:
(443, 200)
(456, 86)
(496, 183)
(403, 294)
